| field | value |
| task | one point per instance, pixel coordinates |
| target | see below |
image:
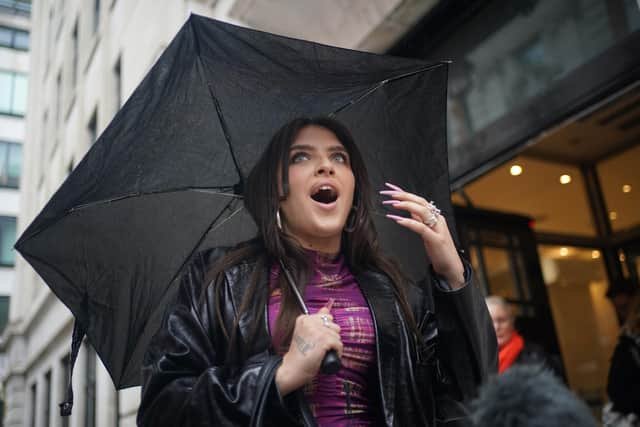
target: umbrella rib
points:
(225, 131)
(382, 83)
(220, 192)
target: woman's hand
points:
(312, 338)
(427, 222)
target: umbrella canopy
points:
(163, 179)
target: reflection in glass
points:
(6, 90)
(584, 318)
(520, 49)
(19, 104)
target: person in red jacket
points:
(512, 347)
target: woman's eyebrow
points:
(309, 147)
(337, 148)
(302, 147)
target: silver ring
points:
(325, 320)
(434, 213)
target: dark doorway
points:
(502, 249)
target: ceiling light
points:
(626, 188)
(564, 251)
(613, 215)
(515, 170)
(565, 179)
(595, 254)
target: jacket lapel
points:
(379, 295)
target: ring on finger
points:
(434, 213)
(325, 320)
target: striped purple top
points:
(341, 399)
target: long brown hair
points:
(360, 246)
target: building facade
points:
(14, 69)
(86, 58)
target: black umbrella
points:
(164, 178)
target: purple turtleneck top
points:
(341, 399)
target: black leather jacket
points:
(187, 383)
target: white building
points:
(14, 68)
(87, 56)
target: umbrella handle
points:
(331, 363)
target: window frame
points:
(4, 220)
(13, 76)
(14, 35)
(5, 181)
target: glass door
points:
(503, 252)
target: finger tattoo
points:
(303, 346)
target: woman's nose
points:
(325, 168)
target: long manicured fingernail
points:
(391, 202)
(395, 217)
(389, 192)
(395, 187)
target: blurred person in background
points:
(513, 348)
(624, 373)
(529, 396)
(621, 294)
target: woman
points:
(235, 349)
(624, 373)
(513, 349)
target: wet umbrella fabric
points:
(164, 177)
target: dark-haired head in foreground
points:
(529, 396)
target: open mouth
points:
(325, 194)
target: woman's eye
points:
(341, 157)
(298, 157)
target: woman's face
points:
(502, 323)
(321, 187)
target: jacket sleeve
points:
(185, 382)
(466, 346)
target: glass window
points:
(620, 182)
(17, 7)
(6, 36)
(576, 282)
(14, 164)
(64, 383)
(46, 404)
(14, 38)
(4, 312)
(513, 52)
(7, 240)
(21, 40)
(34, 402)
(19, 104)
(13, 93)
(6, 91)
(10, 164)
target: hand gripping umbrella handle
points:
(331, 362)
